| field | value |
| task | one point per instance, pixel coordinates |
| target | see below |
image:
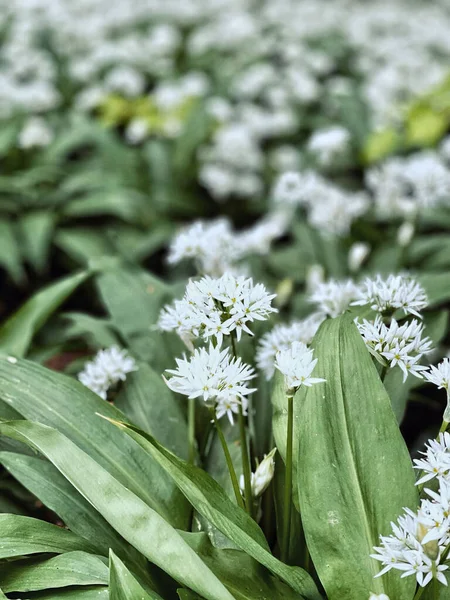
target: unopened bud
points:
(263, 475)
(357, 255)
(314, 277)
(405, 234)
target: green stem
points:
(244, 449)
(245, 463)
(234, 479)
(191, 429)
(288, 482)
(419, 593)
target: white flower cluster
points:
(281, 337)
(395, 292)
(213, 375)
(420, 539)
(440, 375)
(297, 363)
(329, 208)
(334, 297)
(261, 478)
(329, 144)
(395, 344)
(212, 308)
(404, 186)
(217, 248)
(106, 370)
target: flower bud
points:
(405, 234)
(378, 597)
(263, 475)
(357, 255)
(314, 277)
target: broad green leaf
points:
(136, 522)
(72, 568)
(188, 595)
(148, 403)
(437, 287)
(245, 578)
(2, 595)
(10, 254)
(210, 500)
(354, 471)
(44, 480)
(83, 244)
(97, 332)
(122, 584)
(20, 536)
(18, 331)
(42, 395)
(77, 593)
(36, 230)
(125, 204)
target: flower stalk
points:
(231, 470)
(288, 481)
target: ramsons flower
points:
(282, 337)
(418, 540)
(297, 364)
(106, 369)
(333, 297)
(437, 460)
(215, 376)
(217, 307)
(395, 344)
(395, 292)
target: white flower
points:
(217, 307)
(297, 364)
(328, 144)
(405, 234)
(397, 291)
(261, 478)
(397, 345)
(213, 375)
(137, 131)
(418, 540)
(378, 597)
(357, 255)
(289, 188)
(437, 459)
(439, 375)
(106, 369)
(333, 297)
(35, 133)
(282, 337)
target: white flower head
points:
(261, 478)
(106, 369)
(394, 292)
(357, 254)
(282, 337)
(334, 297)
(395, 344)
(439, 375)
(418, 540)
(217, 307)
(215, 376)
(289, 188)
(437, 459)
(328, 144)
(36, 133)
(297, 364)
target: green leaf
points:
(210, 500)
(83, 244)
(36, 230)
(148, 402)
(43, 480)
(10, 254)
(20, 536)
(122, 584)
(18, 331)
(354, 474)
(72, 568)
(245, 578)
(136, 522)
(97, 332)
(42, 395)
(437, 287)
(78, 593)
